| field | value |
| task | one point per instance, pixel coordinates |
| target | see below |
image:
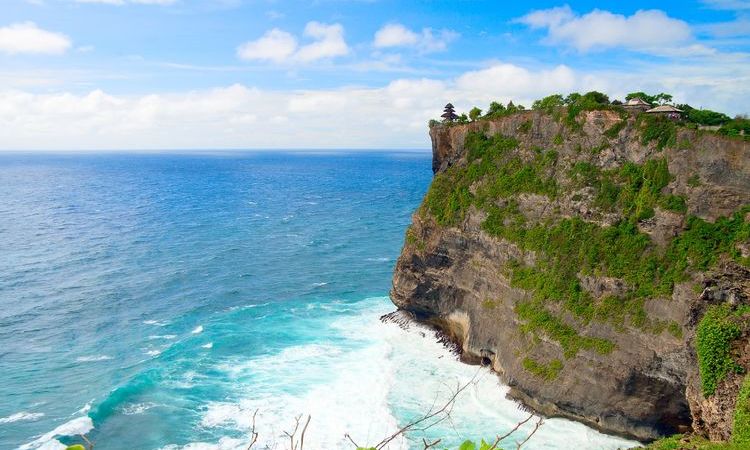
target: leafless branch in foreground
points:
(298, 443)
(503, 437)
(441, 414)
(536, 427)
(351, 440)
(253, 432)
(87, 441)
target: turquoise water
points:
(158, 301)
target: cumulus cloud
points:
(650, 31)
(276, 45)
(390, 116)
(728, 4)
(280, 46)
(426, 41)
(27, 37)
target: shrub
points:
(741, 429)
(657, 129)
(714, 337)
(545, 371)
(615, 129)
(674, 203)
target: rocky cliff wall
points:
(567, 259)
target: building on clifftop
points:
(449, 114)
(636, 104)
(667, 110)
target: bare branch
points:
(536, 427)
(253, 432)
(295, 442)
(445, 410)
(87, 441)
(351, 440)
(304, 429)
(428, 445)
(518, 425)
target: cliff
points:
(601, 269)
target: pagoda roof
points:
(664, 109)
(636, 101)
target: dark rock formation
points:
(456, 279)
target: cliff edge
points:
(600, 269)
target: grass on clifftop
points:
(567, 250)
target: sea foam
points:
(21, 416)
(75, 427)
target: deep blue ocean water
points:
(157, 301)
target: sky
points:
(339, 74)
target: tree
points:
(475, 114)
(572, 98)
(596, 97)
(549, 103)
(642, 95)
(495, 109)
(662, 98)
(705, 116)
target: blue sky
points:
(149, 74)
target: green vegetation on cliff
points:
(567, 250)
(718, 328)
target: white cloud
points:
(276, 45)
(427, 41)
(739, 27)
(728, 4)
(328, 42)
(650, 31)
(390, 116)
(26, 37)
(280, 46)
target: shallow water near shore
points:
(158, 301)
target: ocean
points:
(168, 301)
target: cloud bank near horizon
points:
(244, 117)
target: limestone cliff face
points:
(459, 277)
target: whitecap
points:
(156, 322)
(320, 284)
(257, 305)
(93, 358)
(21, 416)
(75, 427)
(85, 409)
(225, 443)
(208, 346)
(161, 336)
(137, 408)
(153, 352)
(197, 330)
